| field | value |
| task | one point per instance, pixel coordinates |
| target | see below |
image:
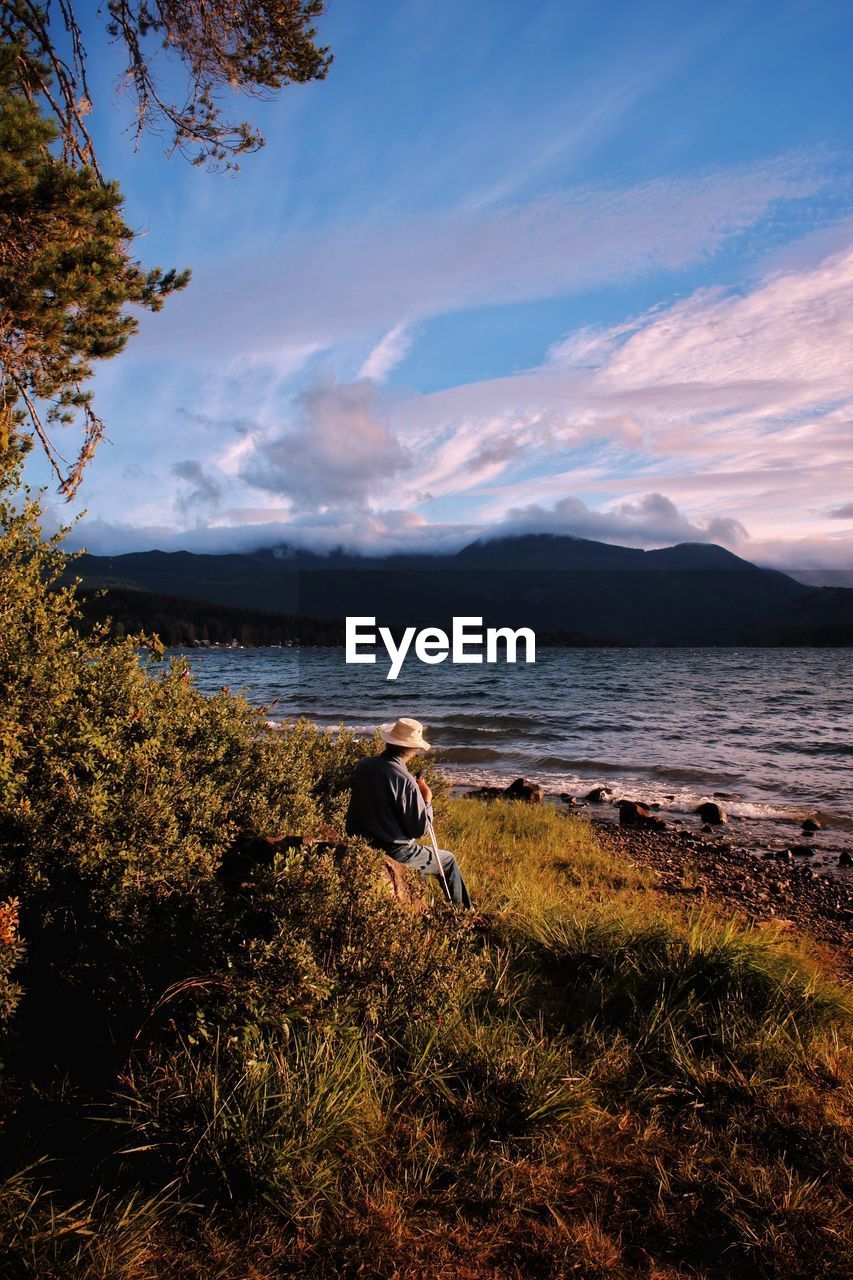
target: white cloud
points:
(338, 451)
(819, 560)
(652, 521)
(390, 351)
(794, 334)
(370, 532)
(730, 406)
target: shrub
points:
(121, 787)
(11, 952)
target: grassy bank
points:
(592, 1085)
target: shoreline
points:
(777, 887)
(759, 825)
(766, 884)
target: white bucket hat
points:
(404, 733)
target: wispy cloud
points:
(335, 285)
(390, 351)
(739, 400)
(202, 493)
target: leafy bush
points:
(121, 788)
(11, 952)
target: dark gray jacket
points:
(386, 806)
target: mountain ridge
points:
(689, 593)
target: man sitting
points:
(392, 809)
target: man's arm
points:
(417, 808)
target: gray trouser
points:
(420, 858)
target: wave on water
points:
(469, 755)
(496, 722)
(583, 763)
(760, 812)
(670, 772)
(684, 773)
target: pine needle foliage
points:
(67, 281)
(206, 51)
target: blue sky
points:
(585, 267)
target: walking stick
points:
(438, 860)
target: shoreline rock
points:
(520, 789)
(524, 789)
(712, 813)
(634, 814)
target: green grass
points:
(596, 1084)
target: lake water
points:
(771, 727)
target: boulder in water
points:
(486, 793)
(634, 814)
(597, 795)
(802, 850)
(844, 859)
(523, 789)
(711, 812)
(812, 824)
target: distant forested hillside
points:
(195, 622)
